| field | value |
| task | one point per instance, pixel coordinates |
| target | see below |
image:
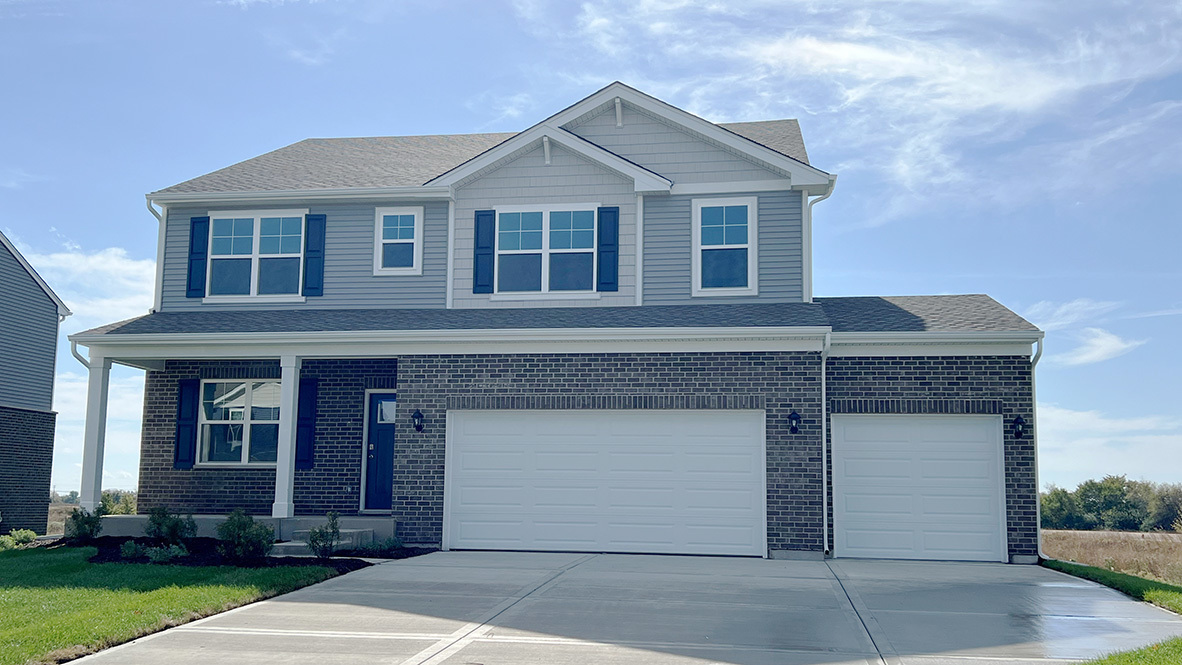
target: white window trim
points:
(545, 251)
(752, 247)
(254, 296)
(245, 422)
(417, 267)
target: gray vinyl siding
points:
(349, 281)
(665, 149)
(28, 338)
(528, 180)
(668, 250)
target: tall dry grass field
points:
(1157, 555)
(58, 512)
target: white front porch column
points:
(95, 433)
(289, 386)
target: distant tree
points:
(118, 502)
(71, 498)
(1165, 508)
(1060, 510)
(1113, 503)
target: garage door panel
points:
(646, 481)
(918, 487)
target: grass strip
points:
(1163, 595)
(1164, 653)
(55, 605)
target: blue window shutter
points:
(306, 425)
(314, 254)
(609, 250)
(198, 255)
(484, 259)
(187, 404)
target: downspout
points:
(160, 216)
(1034, 434)
(74, 352)
(824, 440)
(807, 237)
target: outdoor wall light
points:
(794, 422)
(1019, 427)
(417, 419)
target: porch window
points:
(239, 422)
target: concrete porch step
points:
(298, 545)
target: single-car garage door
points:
(918, 487)
(681, 482)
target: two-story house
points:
(30, 313)
(598, 334)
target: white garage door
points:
(918, 487)
(685, 482)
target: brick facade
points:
(777, 382)
(995, 385)
(26, 461)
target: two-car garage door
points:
(679, 482)
(918, 487)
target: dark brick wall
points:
(26, 460)
(783, 381)
(972, 385)
(332, 484)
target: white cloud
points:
(1075, 446)
(500, 107)
(1056, 316)
(313, 49)
(14, 178)
(98, 286)
(124, 410)
(1096, 345)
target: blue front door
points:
(379, 452)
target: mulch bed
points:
(204, 552)
(400, 553)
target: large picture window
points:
(398, 241)
(239, 422)
(724, 247)
(256, 253)
(546, 249)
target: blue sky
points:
(1028, 150)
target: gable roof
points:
(62, 310)
(412, 161)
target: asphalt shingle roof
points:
(968, 313)
(403, 161)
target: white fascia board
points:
(289, 195)
(645, 181)
(62, 310)
(130, 349)
(802, 174)
(734, 187)
(1016, 343)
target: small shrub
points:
(7, 543)
(242, 539)
(323, 540)
(83, 526)
(380, 549)
(169, 528)
(166, 554)
(23, 536)
(131, 550)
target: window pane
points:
(221, 443)
(736, 235)
(722, 268)
(223, 401)
(510, 240)
(531, 221)
(243, 246)
(279, 276)
(269, 245)
(531, 240)
(560, 239)
(387, 411)
(582, 240)
(292, 226)
(264, 401)
(510, 221)
(519, 272)
(712, 235)
(270, 226)
(223, 228)
(398, 255)
(736, 215)
(264, 443)
(571, 272)
(221, 246)
(583, 219)
(279, 235)
(712, 216)
(244, 227)
(229, 277)
(560, 220)
(291, 244)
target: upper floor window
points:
(725, 235)
(546, 249)
(398, 241)
(239, 422)
(256, 253)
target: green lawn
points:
(53, 603)
(1161, 594)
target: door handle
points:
(371, 456)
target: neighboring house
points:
(598, 334)
(29, 316)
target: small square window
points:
(398, 243)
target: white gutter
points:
(79, 356)
(807, 237)
(824, 440)
(267, 196)
(161, 219)
(1034, 435)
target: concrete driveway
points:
(485, 608)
